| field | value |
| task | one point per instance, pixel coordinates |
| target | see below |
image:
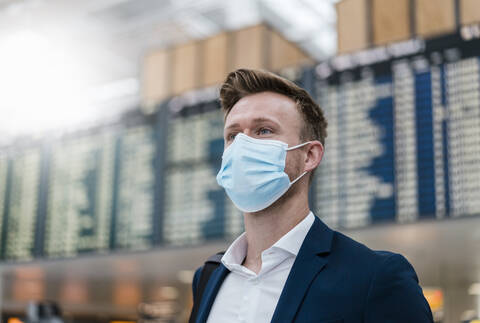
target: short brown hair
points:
(245, 82)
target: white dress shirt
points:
(247, 297)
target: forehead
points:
(277, 107)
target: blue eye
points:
(231, 136)
(264, 131)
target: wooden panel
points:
(391, 21)
(352, 25)
(284, 53)
(469, 11)
(434, 17)
(214, 60)
(249, 48)
(156, 77)
(185, 68)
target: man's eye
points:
(231, 136)
(264, 131)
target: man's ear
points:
(314, 155)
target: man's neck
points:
(266, 227)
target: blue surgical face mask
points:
(252, 172)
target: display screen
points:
(196, 207)
(404, 138)
(134, 189)
(195, 135)
(21, 200)
(80, 195)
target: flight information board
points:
(195, 135)
(80, 195)
(196, 208)
(404, 137)
(134, 186)
(21, 205)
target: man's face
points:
(268, 115)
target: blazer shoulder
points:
(390, 282)
(348, 253)
(395, 293)
(357, 251)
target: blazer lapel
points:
(310, 261)
(210, 292)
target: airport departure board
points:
(19, 223)
(80, 195)
(195, 135)
(134, 186)
(404, 138)
(196, 208)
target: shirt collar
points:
(290, 242)
(236, 253)
(293, 239)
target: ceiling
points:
(101, 42)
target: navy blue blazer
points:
(336, 279)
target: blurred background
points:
(111, 137)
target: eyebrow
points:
(256, 120)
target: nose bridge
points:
(248, 132)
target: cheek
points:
(293, 163)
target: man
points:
(289, 266)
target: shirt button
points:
(245, 298)
(255, 281)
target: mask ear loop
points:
(298, 146)
(297, 178)
(295, 147)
